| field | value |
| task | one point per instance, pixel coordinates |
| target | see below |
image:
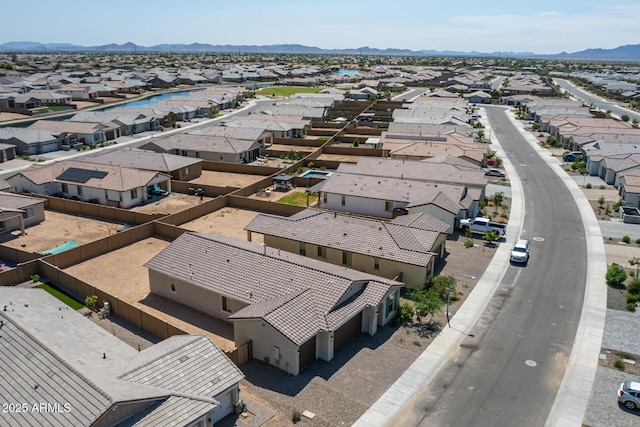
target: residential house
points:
(294, 309)
(446, 169)
(279, 126)
(394, 251)
(100, 380)
(83, 132)
(386, 197)
(103, 184)
(478, 97)
(28, 141)
(179, 167)
(7, 152)
(128, 120)
(18, 212)
(629, 188)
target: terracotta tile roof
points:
(118, 178)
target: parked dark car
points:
(571, 157)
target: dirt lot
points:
(286, 148)
(226, 179)
(339, 157)
(56, 229)
(131, 284)
(174, 202)
(227, 221)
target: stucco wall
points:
(359, 205)
(194, 296)
(265, 337)
(412, 275)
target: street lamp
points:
(451, 276)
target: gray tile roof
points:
(177, 363)
(251, 134)
(253, 274)
(174, 411)
(208, 143)
(369, 237)
(423, 221)
(28, 136)
(414, 193)
(141, 159)
(452, 173)
(73, 360)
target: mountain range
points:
(621, 53)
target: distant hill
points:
(622, 53)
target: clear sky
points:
(540, 26)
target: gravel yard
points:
(227, 221)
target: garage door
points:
(307, 352)
(225, 408)
(347, 331)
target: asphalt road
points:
(508, 371)
(590, 98)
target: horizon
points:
(493, 26)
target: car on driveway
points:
(493, 172)
(520, 252)
(574, 155)
(629, 394)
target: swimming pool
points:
(63, 247)
(316, 174)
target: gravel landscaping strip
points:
(621, 331)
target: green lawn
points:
(61, 296)
(299, 199)
(287, 90)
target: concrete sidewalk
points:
(571, 402)
(427, 366)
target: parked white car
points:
(520, 252)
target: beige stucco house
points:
(294, 309)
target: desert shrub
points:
(296, 416)
(626, 239)
(632, 299)
(405, 313)
(468, 243)
(637, 241)
(619, 364)
(616, 274)
(589, 185)
(631, 306)
(634, 287)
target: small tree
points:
(624, 118)
(405, 313)
(497, 200)
(90, 301)
(491, 237)
(480, 135)
(601, 201)
(615, 274)
(427, 302)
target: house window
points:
(346, 258)
(173, 288)
(322, 252)
(344, 200)
(79, 191)
(65, 188)
(134, 193)
(388, 206)
(303, 249)
(376, 263)
(185, 170)
(324, 197)
(2, 226)
(28, 213)
(390, 304)
(185, 153)
(197, 154)
(225, 305)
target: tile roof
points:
(205, 143)
(306, 290)
(17, 201)
(452, 173)
(141, 159)
(174, 411)
(118, 178)
(414, 193)
(369, 237)
(27, 135)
